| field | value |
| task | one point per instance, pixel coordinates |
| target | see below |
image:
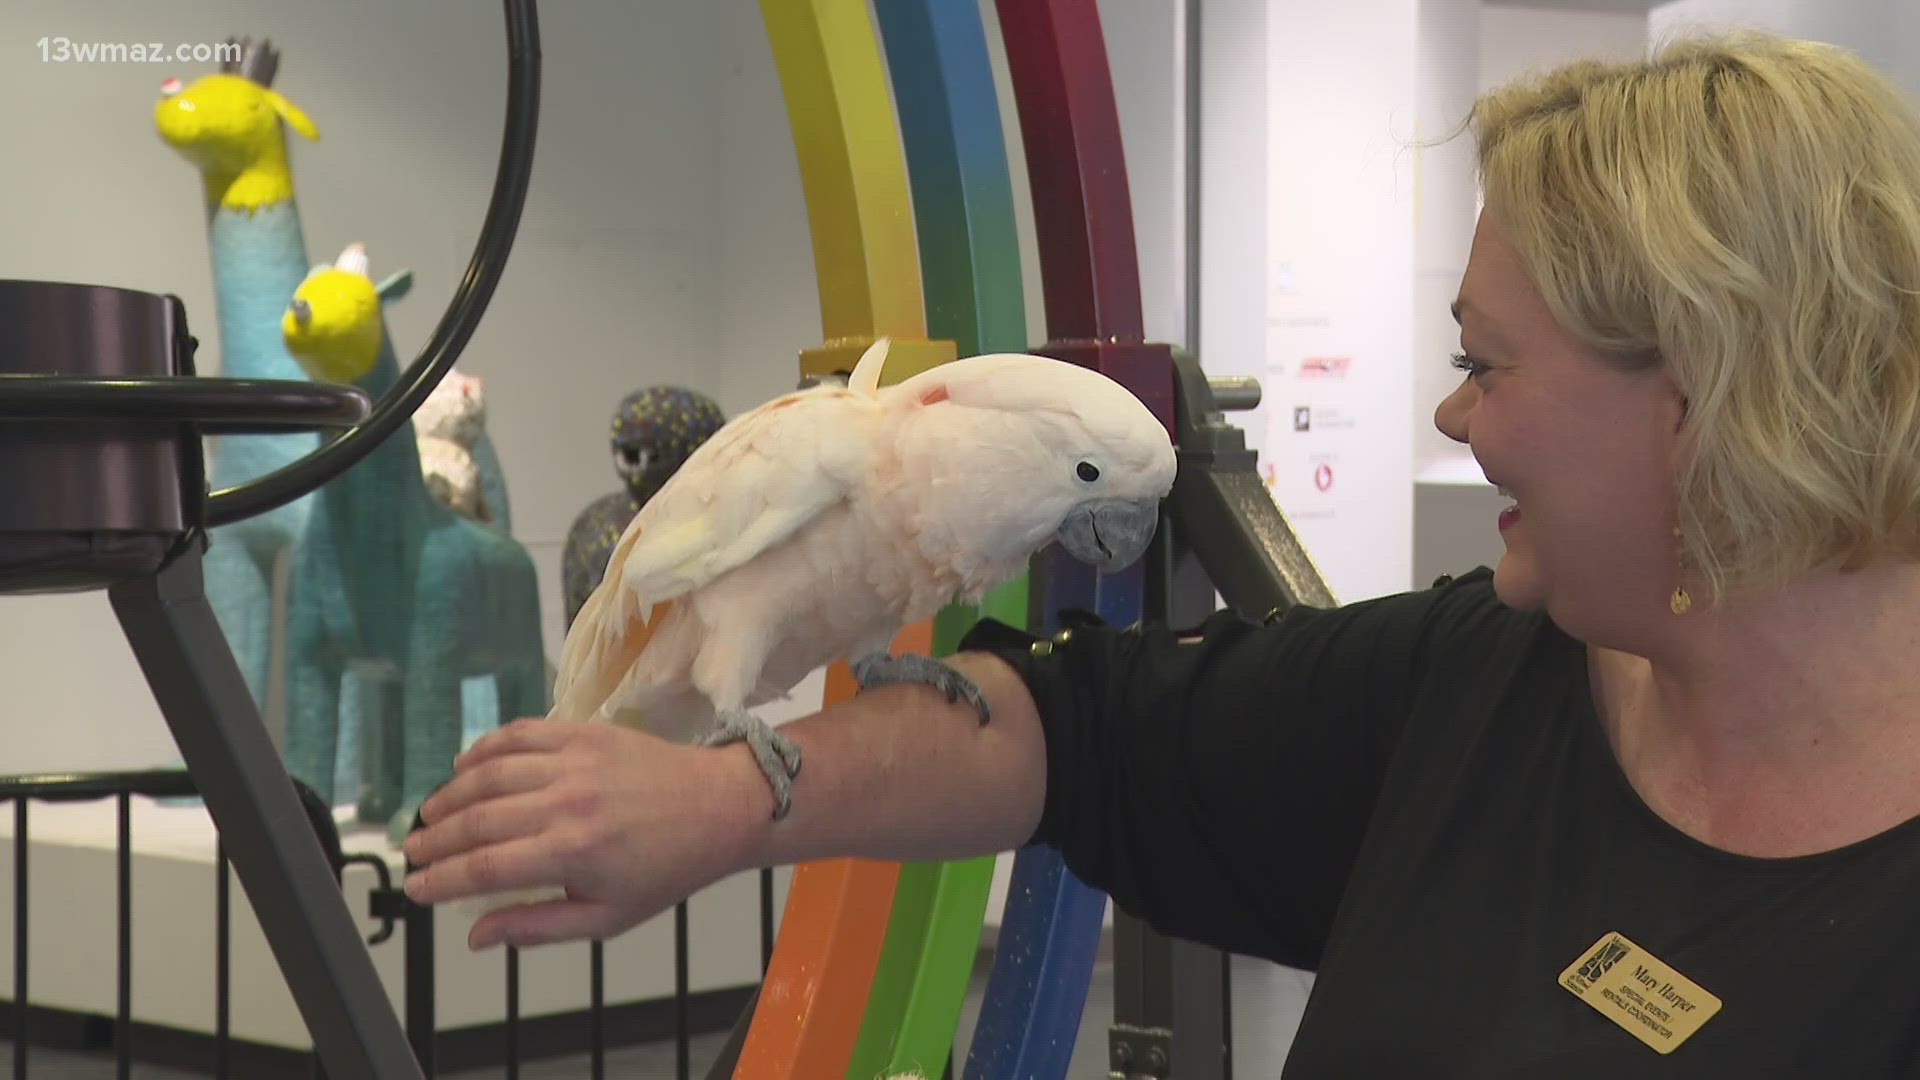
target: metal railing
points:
(426, 1039)
(220, 1055)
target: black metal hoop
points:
(463, 312)
(211, 406)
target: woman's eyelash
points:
(1467, 363)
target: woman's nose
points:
(1450, 416)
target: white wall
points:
(1233, 196)
(1885, 33)
(664, 240)
(1516, 39)
(1454, 508)
(1446, 188)
(1341, 108)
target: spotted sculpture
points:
(654, 431)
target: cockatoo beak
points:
(1109, 534)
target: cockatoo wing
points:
(755, 483)
(759, 480)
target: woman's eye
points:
(1468, 364)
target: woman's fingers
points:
(525, 925)
(524, 734)
(524, 863)
(504, 770)
(493, 820)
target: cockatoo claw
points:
(880, 669)
(777, 755)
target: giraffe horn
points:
(353, 260)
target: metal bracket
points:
(1137, 1053)
(384, 902)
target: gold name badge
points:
(1635, 989)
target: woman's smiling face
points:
(1583, 446)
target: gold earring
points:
(1680, 601)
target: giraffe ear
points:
(291, 113)
(396, 286)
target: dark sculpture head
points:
(655, 430)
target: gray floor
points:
(1266, 1011)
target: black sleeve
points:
(1218, 790)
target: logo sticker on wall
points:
(1325, 367)
(1302, 418)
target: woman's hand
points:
(625, 823)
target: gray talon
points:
(882, 670)
(777, 756)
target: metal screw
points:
(1156, 1061)
(1122, 1057)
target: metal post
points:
(513, 1013)
(1172, 998)
(222, 961)
(123, 1014)
(421, 1031)
(597, 1009)
(217, 728)
(20, 1019)
(723, 1066)
(766, 918)
(682, 1048)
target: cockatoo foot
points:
(880, 669)
(777, 755)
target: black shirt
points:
(1413, 796)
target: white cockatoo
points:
(821, 523)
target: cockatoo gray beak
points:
(302, 312)
(1109, 534)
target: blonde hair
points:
(1746, 208)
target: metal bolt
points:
(1122, 1057)
(1156, 1061)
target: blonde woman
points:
(1639, 801)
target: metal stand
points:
(262, 826)
(1171, 1005)
(1221, 531)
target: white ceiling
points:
(1621, 6)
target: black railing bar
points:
(683, 1061)
(20, 1033)
(74, 787)
(222, 961)
(422, 1028)
(513, 1013)
(597, 1009)
(123, 1017)
(766, 918)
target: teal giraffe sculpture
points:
(411, 624)
(229, 125)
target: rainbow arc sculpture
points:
(913, 234)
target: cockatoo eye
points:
(1087, 471)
